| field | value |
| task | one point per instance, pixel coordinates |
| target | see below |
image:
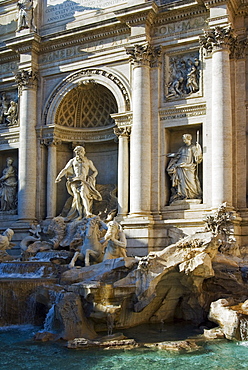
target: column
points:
(140, 141)
(123, 134)
(218, 41)
(27, 86)
(157, 173)
(51, 176)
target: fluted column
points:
(123, 134)
(219, 41)
(51, 176)
(27, 86)
(140, 141)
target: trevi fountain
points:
(123, 184)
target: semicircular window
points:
(87, 106)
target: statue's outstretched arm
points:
(63, 171)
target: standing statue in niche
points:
(80, 184)
(182, 169)
(25, 15)
(8, 187)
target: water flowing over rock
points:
(201, 277)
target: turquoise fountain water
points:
(20, 352)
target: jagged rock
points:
(98, 272)
(70, 313)
(231, 316)
(177, 346)
(214, 333)
(46, 336)
(106, 344)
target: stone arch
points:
(106, 77)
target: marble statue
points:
(91, 247)
(80, 185)
(182, 169)
(115, 241)
(3, 108)
(25, 15)
(5, 239)
(11, 114)
(192, 78)
(8, 187)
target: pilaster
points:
(123, 134)
(27, 87)
(218, 43)
(141, 57)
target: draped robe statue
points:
(182, 169)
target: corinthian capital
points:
(122, 131)
(26, 78)
(218, 38)
(144, 54)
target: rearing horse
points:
(91, 245)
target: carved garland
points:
(89, 73)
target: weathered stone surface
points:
(178, 346)
(72, 318)
(230, 316)
(98, 272)
(107, 344)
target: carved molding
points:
(182, 112)
(26, 79)
(91, 75)
(144, 54)
(218, 38)
(55, 135)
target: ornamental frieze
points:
(182, 112)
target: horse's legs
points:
(88, 253)
(73, 261)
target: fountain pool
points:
(20, 352)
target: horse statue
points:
(90, 246)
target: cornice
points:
(24, 44)
(176, 15)
(138, 14)
(82, 38)
(238, 7)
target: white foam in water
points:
(31, 275)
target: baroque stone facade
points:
(127, 80)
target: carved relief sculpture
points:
(8, 187)
(80, 185)
(182, 169)
(25, 15)
(12, 114)
(183, 77)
